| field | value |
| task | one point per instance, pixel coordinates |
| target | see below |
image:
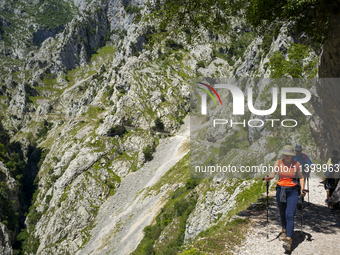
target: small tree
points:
(148, 153)
(159, 124)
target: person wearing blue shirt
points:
(303, 159)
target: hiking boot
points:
(287, 245)
(282, 236)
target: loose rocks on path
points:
(320, 232)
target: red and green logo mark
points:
(208, 92)
(204, 107)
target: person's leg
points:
(282, 209)
(325, 185)
(292, 199)
(331, 190)
(328, 194)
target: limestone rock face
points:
(329, 66)
(326, 105)
(327, 108)
(81, 4)
(20, 39)
(213, 204)
(5, 243)
(117, 15)
(77, 42)
(43, 108)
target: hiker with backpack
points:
(331, 180)
(305, 163)
(291, 183)
(303, 159)
(334, 197)
(335, 155)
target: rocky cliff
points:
(101, 123)
(326, 106)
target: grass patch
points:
(103, 52)
(221, 238)
(248, 196)
(93, 112)
(49, 86)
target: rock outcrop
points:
(5, 241)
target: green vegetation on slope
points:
(178, 208)
(13, 163)
(50, 13)
(171, 221)
(174, 214)
(295, 66)
(226, 234)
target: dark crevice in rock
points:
(28, 186)
(42, 34)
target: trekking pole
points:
(267, 206)
(301, 215)
(308, 188)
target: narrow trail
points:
(122, 218)
(320, 232)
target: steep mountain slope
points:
(92, 106)
(24, 25)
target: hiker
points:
(334, 198)
(335, 155)
(303, 159)
(331, 181)
(305, 163)
(291, 183)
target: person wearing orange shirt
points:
(291, 183)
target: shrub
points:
(54, 178)
(148, 153)
(173, 45)
(201, 64)
(131, 9)
(34, 216)
(159, 124)
(181, 206)
(42, 157)
(42, 132)
(177, 193)
(137, 18)
(193, 251)
(191, 183)
(295, 66)
(48, 199)
(109, 91)
(117, 130)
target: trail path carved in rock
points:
(320, 232)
